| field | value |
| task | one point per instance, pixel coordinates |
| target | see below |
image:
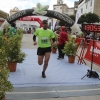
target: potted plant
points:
(14, 55)
(5, 85)
(70, 49)
(54, 48)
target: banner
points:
(77, 17)
(30, 18)
(96, 54)
(53, 23)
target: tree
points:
(72, 17)
(92, 18)
(82, 19)
(89, 18)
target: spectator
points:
(63, 37)
(12, 30)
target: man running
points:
(44, 45)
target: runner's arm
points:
(34, 38)
(53, 39)
(35, 34)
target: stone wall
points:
(97, 7)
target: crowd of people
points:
(87, 35)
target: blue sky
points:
(6, 5)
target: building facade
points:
(63, 8)
(3, 16)
(97, 7)
(86, 6)
(75, 6)
(14, 10)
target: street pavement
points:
(85, 92)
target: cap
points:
(44, 21)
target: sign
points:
(61, 16)
(30, 18)
(91, 28)
(27, 19)
(16, 15)
(96, 54)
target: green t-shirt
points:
(12, 31)
(44, 37)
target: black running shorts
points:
(42, 51)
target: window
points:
(86, 6)
(91, 3)
(81, 10)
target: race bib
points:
(44, 40)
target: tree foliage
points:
(82, 19)
(72, 17)
(89, 18)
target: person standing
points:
(44, 45)
(63, 37)
(12, 30)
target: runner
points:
(44, 45)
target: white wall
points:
(83, 6)
(70, 11)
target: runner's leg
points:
(40, 54)
(40, 59)
(46, 60)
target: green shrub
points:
(70, 47)
(5, 85)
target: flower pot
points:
(12, 66)
(54, 50)
(71, 59)
(3, 98)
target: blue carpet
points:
(59, 72)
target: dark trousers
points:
(60, 47)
